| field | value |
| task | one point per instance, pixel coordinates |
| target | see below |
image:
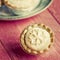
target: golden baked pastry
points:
(22, 4)
(36, 38)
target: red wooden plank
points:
(3, 53)
(55, 10)
(10, 36)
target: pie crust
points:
(36, 38)
(22, 4)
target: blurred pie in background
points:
(22, 4)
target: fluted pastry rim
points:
(31, 51)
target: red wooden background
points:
(10, 35)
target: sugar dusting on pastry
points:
(37, 38)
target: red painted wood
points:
(3, 53)
(55, 10)
(10, 36)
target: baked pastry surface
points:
(36, 38)
(22, 4)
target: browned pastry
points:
(36, 38)
(22, 4)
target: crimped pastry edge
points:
(31, 51)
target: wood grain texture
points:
(55, 10)
(10, 36)
(3, 53)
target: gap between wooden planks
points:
(55, 10)
(3, 53)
